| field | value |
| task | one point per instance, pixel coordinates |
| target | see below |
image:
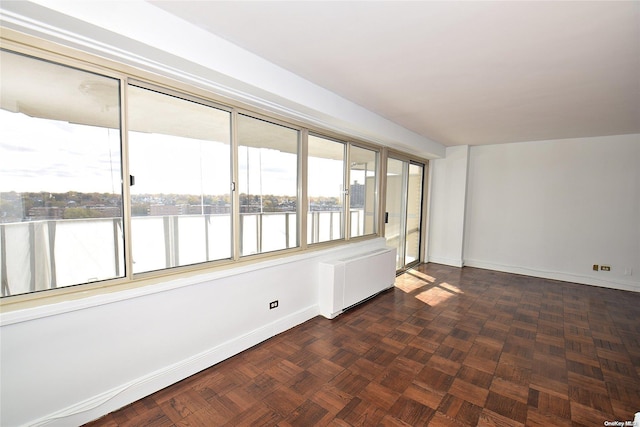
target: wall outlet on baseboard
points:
(595, 267)
(605, 268)
(273, 304)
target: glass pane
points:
(60, 176)
(414, 213)
(192, 238)
(180, 156)
(394, 228)
(268, 185)
(152, 229)
(274, 231)
(362, 191)
(325, 185)
(249, 233)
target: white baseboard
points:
(116, 398)
(453, 262)
(624, 285)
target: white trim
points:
(118, 397)
(453, 262)
(555, 275)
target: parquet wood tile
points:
(446, 347)
(424, 394)
(360, 412)
(507, 407)
(489, 418)
(536, 418)
(307, 414)
(469, 392)
(411, 412)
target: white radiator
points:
(349, 281)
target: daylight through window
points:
(326, 189)
(60, 176)
(105, 178)
(268, 185)
(179, 158)
(363, 182)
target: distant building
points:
(107, 211)
(45, 212)
(164, 210)
(209, 209)
(357, 195)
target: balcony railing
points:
(39, 255)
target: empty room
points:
(319, 213)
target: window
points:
(325, 183)
(363, 191)
(197, 192)
(268, 185)
(60, 176)
(179, 157)
(403, 229)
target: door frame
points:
(390, 154)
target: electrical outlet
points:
(595, 267)
(605, 268)
(273, 304)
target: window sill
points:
(50, 306)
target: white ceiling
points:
(456, 72)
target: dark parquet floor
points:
(445, 347)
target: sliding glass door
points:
(403, 217)
(413, 229)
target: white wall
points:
(75, 361)
(554, 208)
(448, 182)
(543, 208)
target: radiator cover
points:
(348, 281)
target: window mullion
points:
(235, 193)
(303, 193)
(346, 196)
(126, 180)
(382, 185)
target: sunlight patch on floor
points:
(422, 276)
(452, 288)
(412, 280)
(409, 286)
(439, 293)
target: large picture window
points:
(179, 159)
(363, 191)
(104, 177)
(326, 192)
(268, 185)
(60, 176)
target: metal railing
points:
(47, 254)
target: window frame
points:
(19, 43)
(300, 164)
(127, 184)
(345, 183)
(59, 60)
(377, 191)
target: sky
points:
(40, 155)
(47, 155)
